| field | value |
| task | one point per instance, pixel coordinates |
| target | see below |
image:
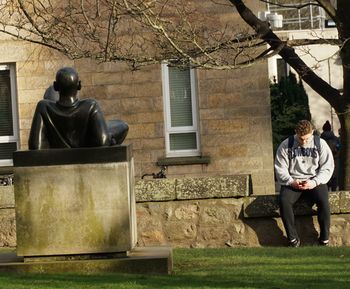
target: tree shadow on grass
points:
(233, 277)
(236, 268)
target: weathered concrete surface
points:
(155, 260)
(73, 209)
(192, 188)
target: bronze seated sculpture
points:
(64, 121)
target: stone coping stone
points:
(178, 161)
(155, 190)
(267, 205)
(141, 260)
(192, 188)
(47, 157)
(7, 197)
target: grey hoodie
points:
(306, 162)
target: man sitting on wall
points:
(304, 164)
(70, 122)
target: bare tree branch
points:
(302, 42)
(331, 94)
(329, 8)
(294, 5)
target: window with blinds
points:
(6, 126)
(8, 121)
(180, 107)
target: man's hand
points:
(296, 185)
(303, 185)
(307, 185)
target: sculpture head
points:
(67, 81)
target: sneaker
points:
(294, 243)
(323, 242)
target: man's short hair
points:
(303, 127)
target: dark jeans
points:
(318, 195)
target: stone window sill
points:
(204, 160)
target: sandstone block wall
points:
(231, 220)
(219, 223)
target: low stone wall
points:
(210, 212)
(211, 217)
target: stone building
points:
(211, 129)
(197, 123)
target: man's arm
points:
(326, 164)
(282, 165)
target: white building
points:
(310, 23)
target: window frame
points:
(15, 137)
(167, 115)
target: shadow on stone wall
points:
(270, 230)
(267, 231)
(306, 228)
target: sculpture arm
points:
(37, 137)
(98, 130)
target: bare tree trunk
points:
(343, 110)
(344, 158)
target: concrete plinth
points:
(145, 260)
(74, 201)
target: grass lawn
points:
(268, 268)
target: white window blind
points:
(183, 141)
(6, 126)
(180, 100)
(180, 97)
(8, 115)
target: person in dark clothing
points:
(333, 143)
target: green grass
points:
(249, 268)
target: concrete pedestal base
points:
(75, 212)
(144, 260)
(86, 206)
